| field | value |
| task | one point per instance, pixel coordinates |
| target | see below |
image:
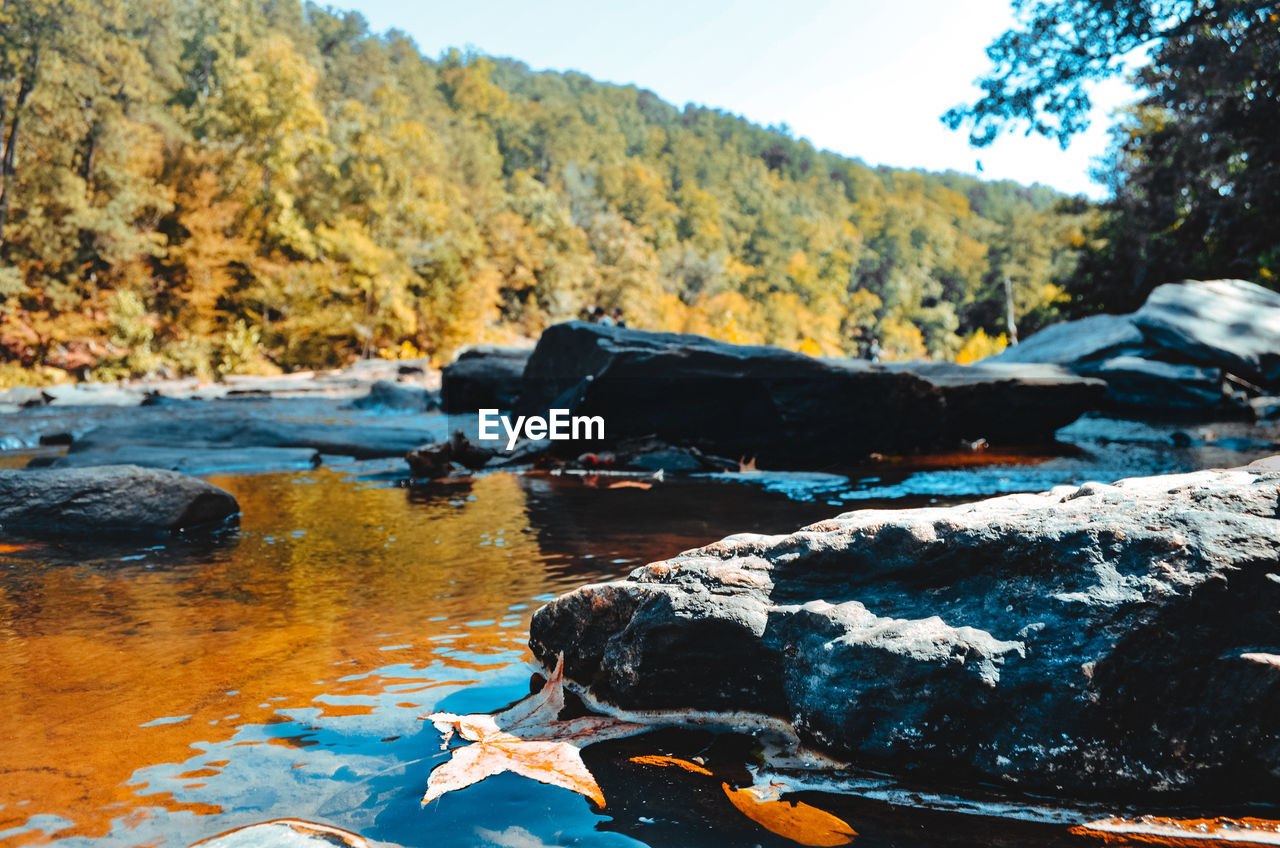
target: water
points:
(156, 694)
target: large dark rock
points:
(117, 499)
(483, 377)
(785, 408)
(1090, 641)
(1193, 347)
(249, 432)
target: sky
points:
(864, 78)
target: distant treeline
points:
(215, 186)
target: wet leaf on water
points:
(799, 822)
(1183, 833)
(747, 466)
(658, 760)
(12, 549)
(630, 484)
(529, 739)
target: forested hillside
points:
(250, 185)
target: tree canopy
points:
(1194, 168)
(215, 186)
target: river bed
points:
(158, 693)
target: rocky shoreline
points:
(1093, 641)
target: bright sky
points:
(864, 78)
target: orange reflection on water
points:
(108, 667)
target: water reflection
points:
(160, 693)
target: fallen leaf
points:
(747, 466)
(12, 549)
(527, 738)
(630, 484)
(797, 821)
(1183, 833)
(657, 760)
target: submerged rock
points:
(116, 499)
(390, 396)
(483, 377)
(785, 408)
(225, 432)
(1086, 641)
(287, 833)
(187, 460)
(1193, 347)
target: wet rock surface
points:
(1194, 347)
(484, 377)
(390, 396)
(110, 500)
(1091, 641)
(238, 432)
(785, 408)
(187, 460)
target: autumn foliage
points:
(234, 186)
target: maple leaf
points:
(529, 739)
(747, 466)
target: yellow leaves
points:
(796, 821)
(528, 739)
(979, 345)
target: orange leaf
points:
(11, 549)
(747, 466)
(630, 484)
(527, 738)
(798, 822)
(656, 760)
(1183, 833)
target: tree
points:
(1194, 169)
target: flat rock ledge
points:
(1100, 641)
(108, 500)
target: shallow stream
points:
(159, 693)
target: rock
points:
(1227, 324)
(1071, 343)
(187, 460)
(286, 833)
(443, 458)
(1193, 347)
(116, 499)
(785, 408)
(361, 442)
(390, 396)
(483, 377)
(1087, 641)
(22, 397)
(1135, 382)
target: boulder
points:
(116, 499)
(483, 377)
(1227, 324)
(187, 460)
(1090, 641)
(1193, 347)
(287, 833)
(1071, 343)
(223, 432)
(785, 408)
(390, 396)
